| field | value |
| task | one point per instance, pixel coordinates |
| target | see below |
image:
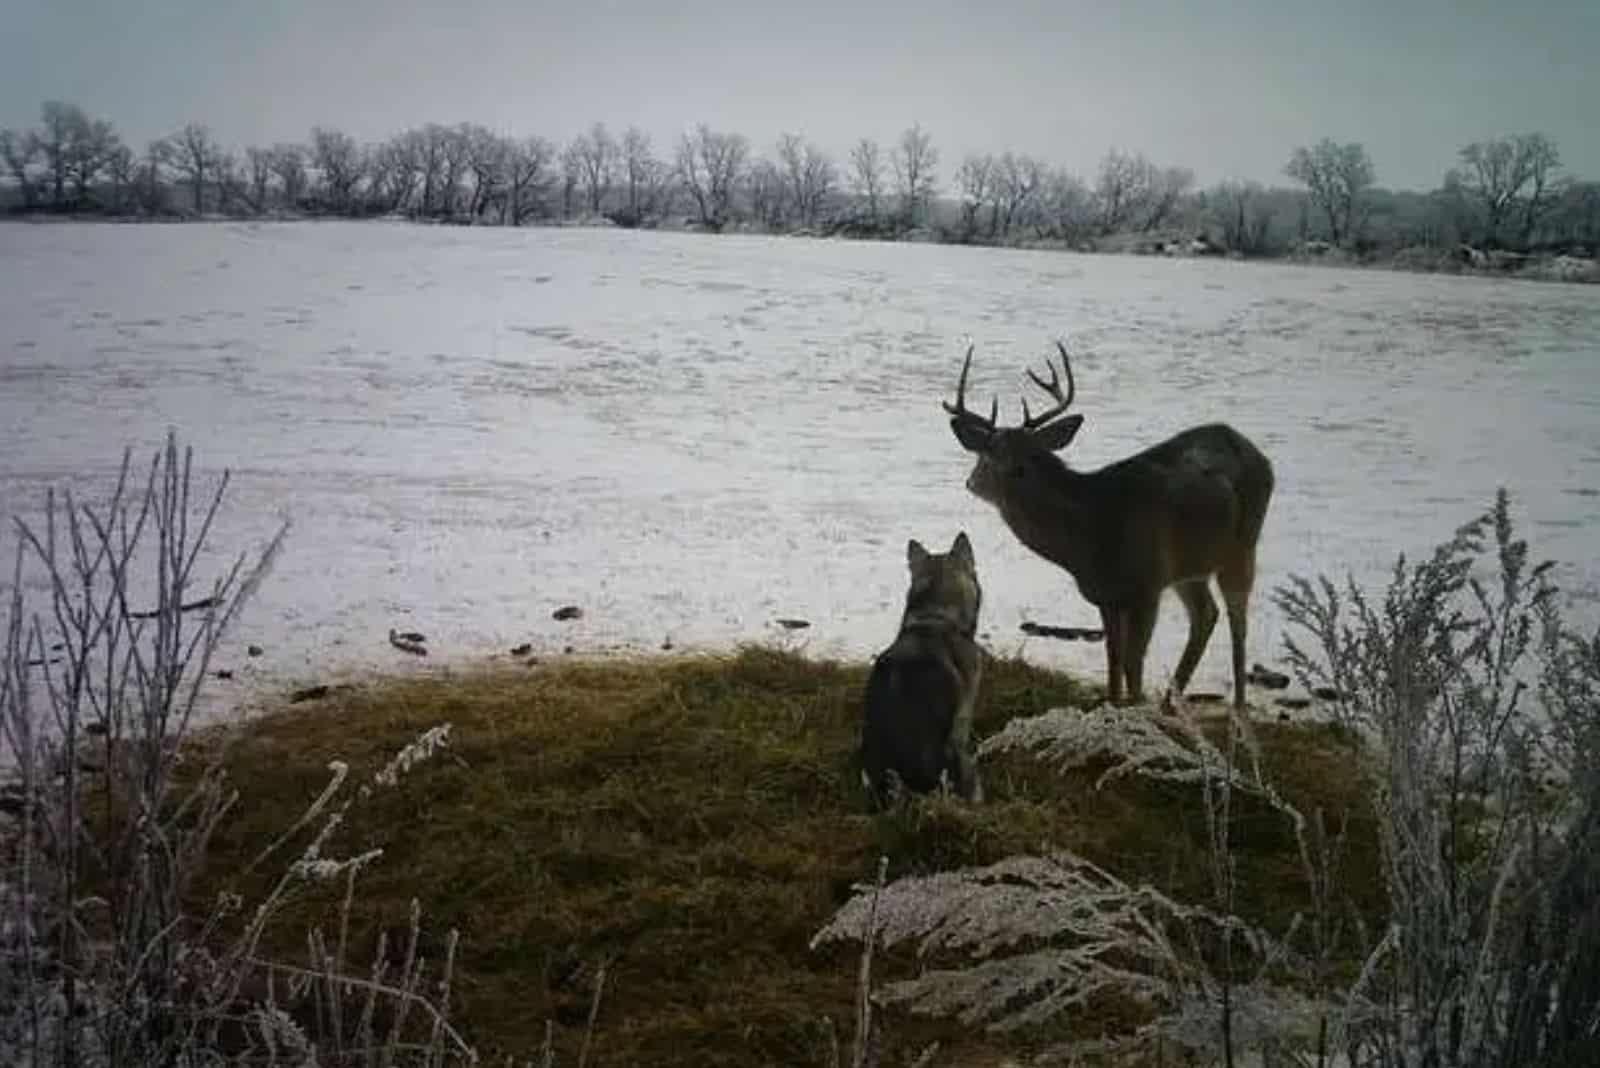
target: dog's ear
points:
(961, 549)
(916, 555)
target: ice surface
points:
(691, 436)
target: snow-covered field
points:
(692, 436)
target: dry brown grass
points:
(694, 820)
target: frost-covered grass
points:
(694, 820)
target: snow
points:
(690, 436)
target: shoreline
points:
(1463, 261)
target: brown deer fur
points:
(1173, 516)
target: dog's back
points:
(920, 694)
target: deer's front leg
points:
(1114, 621)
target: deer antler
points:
(959, 409)
(1052, 387)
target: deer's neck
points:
(1060, 524)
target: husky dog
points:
(920, 695)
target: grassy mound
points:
(692, 821)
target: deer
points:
(1175, 515)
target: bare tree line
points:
(1506, 192)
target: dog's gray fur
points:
(920, 694)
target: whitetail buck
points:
(1173, 515)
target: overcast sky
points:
(1227, 89)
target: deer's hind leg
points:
(1140, 625)
(1235, 582)
(1203, 616)
(1113, 620)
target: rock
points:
(255, 650)
(1066, 634)
(410, 642)
(794, 624)
(1293, 702)
(1266, 678)
(522, 650)
(1325, 693)
(309, 693)
(566, 612)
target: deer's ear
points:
(1058, 436)
(916, 555)
(972, 438)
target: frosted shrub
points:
(1482, 708)
(106, 817)
(1481, 714)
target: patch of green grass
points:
(694, 820)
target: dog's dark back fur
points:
(919, 697)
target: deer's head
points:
(1013, 461)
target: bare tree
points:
(18, 152)
(1066, 208)
(767, 191)
(194, 154)
(1242, 215)
(1123, 188)
(809, 175)
(392, 173)
(915, 161)
(596, 155)
(1168, 187)
(866, 174)
(527, 179)
(123, 170)
(338, 159)
(257, 177)
(1507, 173)
(452, 165)
(158, 155)
(1336, 176)
(288, 163)
(974, 181)
(87, 153)
(487, 158)
(571, 177)
(641, 174)
(230, 182)
(1017, 182)
(60, 127)
(710, 166)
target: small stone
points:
(794, 624)
(224, 673)
(566, 612)
(522, 650)
(666, 646)
(255, 650)
(1267, 678)
(568, 650)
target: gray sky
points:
(1226, 89)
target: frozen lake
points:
(691, 436)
